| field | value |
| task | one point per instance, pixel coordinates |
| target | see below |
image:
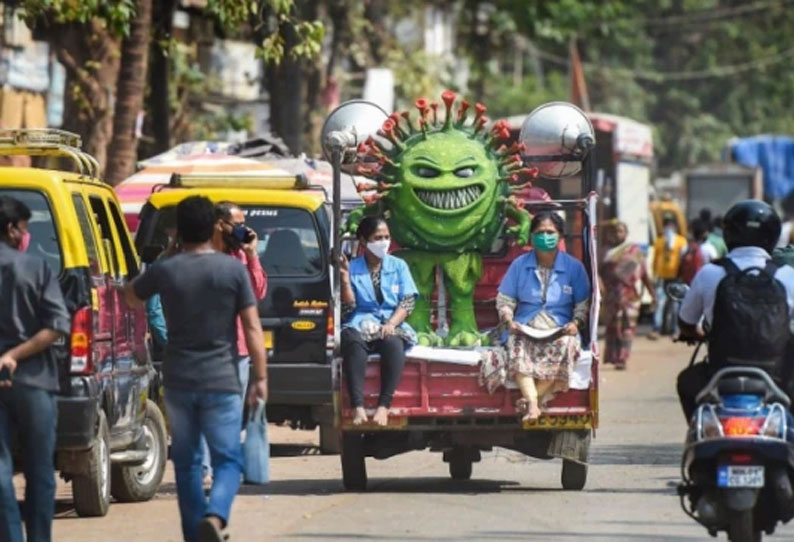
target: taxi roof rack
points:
(48, 142)
(241, 180)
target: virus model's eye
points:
(464, 172)
(427, 172)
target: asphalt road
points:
(630, 494)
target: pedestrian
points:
(231, 236)
(714, 227)
(668, 249)
(623, 272)
(203, 293)
(33, 316)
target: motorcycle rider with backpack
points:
(745, 301)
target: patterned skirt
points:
(542, 360)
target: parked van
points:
(111, 436)
(293, 227)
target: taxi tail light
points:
(81, 341)
(329, 329)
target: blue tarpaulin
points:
(774, 154)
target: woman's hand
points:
(387, 330)
(344, 268)
(513, 326)
(571, 328)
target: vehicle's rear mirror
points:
(150, 253)
(677, 290)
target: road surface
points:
(630, 494)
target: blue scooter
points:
(739, 456)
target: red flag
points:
(579, 94)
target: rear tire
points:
(138, 483)
(574, 475)
(329, 439)
(460, 468)
(740, 527)
(91, 490)
(354, 467)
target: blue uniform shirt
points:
(395, 283)
(568, 287)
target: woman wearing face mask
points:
(544, 289)
(378, 294)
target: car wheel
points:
(460, 468)
(354, 467)
(329, 439)
(137, 483)
(574, 475)
(91, 489)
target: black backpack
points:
(751, 320)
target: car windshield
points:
(43, 238)
(289, 245)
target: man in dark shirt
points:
(32, 317)
(203, 292)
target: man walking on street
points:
(231, 236)
(668, 249)
(203, 292)
(32, 317)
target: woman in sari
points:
(623, 273)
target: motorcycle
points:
(738, 459)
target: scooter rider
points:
(744, 300)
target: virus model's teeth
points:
(450, 199)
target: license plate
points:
(736, 476)
(268, 340)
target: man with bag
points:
(203, 293)
(745, 301)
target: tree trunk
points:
(90, 56)
(160, 75)
(123, 150)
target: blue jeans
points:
(31, 414)
(244, 372)
(217, 417)
(658, 315)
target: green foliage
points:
(278, 17)
(115, 15)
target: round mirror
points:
(677, 290)
(350, 124)
(557, 128)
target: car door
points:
(133, 366)
(102, 295)
(121, 407)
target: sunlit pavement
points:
(630, 494)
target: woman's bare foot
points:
(533, 413)
(381, 416)
(360, 417)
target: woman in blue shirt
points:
(544, 289)
(378, 294)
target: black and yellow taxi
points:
(291, 221)
(111, 437)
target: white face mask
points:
(379, 248)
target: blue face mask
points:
(545, 241)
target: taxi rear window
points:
(289, 244)
(43, 237)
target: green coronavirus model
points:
(444, 187)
